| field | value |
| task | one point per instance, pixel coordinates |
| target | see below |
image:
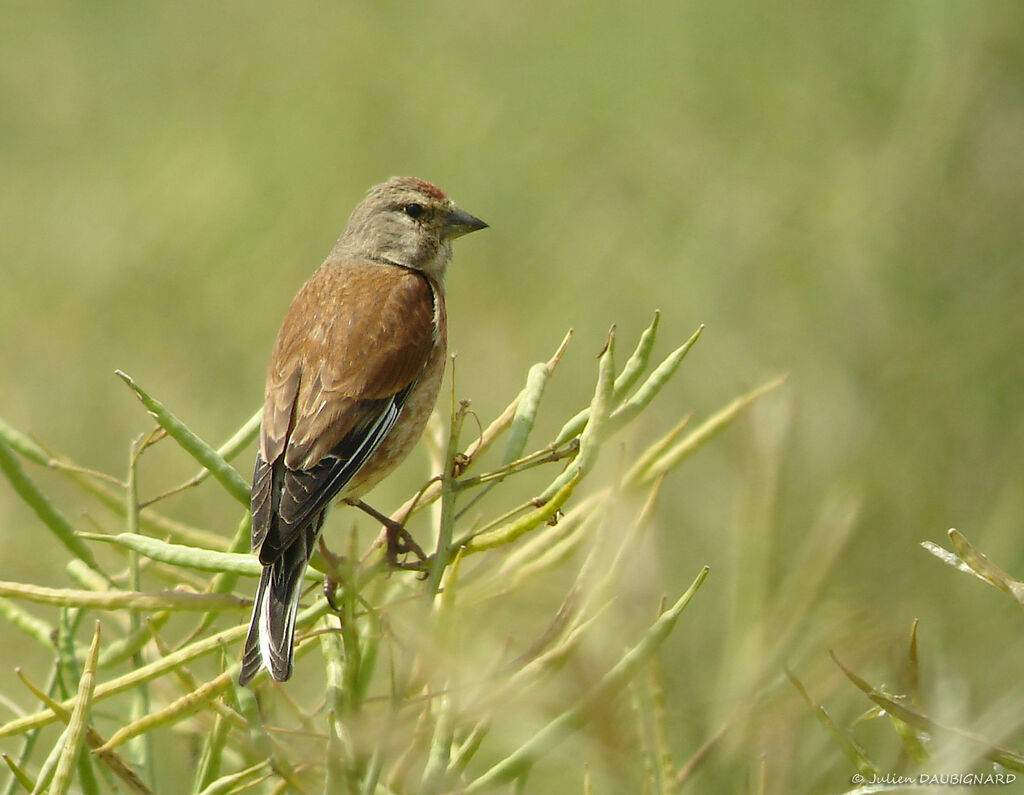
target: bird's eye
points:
(413, 210)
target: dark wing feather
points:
(306, 492)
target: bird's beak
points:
(458, 223)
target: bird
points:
(352, 379)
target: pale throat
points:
(437, 265)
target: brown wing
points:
(351, 347)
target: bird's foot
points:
(331, 578)
(400, 543)
(397, 541)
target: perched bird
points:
(352, 380)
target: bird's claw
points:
(399, 543)
(330, 592)
(331, 579)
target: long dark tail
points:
(272, 627)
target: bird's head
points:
(408, 222)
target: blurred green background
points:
(835, 190)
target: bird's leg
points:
(399, 542)
(331, 581)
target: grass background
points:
(837, 192)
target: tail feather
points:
(252, 660)
(277, 618)
(272, 627)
